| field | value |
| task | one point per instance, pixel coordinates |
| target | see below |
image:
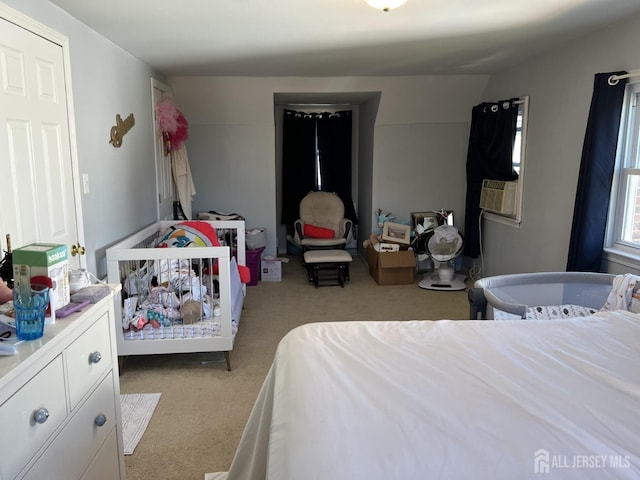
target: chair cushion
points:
(309, 242)
(315, 231)
(327, 256)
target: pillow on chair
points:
(314, 231)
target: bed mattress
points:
(449, 400)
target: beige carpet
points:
(197, 426)
(137, 410)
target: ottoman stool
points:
(327, 265)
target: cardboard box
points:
(49, 259)
(271, 270)
(392, 268)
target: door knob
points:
(77, 250)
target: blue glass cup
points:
(29, 306)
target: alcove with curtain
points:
(490, 156)
(316, 155)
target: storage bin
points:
(254, 258)
(256, 238)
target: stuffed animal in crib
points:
(191, 311)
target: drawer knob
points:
(100, 420)
(41, 415)
(95, 357)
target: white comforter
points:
(449, 400)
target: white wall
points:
(106, 81)
(419, 144)
(416, 157)
(560, 85)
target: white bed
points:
(449, 400)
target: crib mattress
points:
(202, 329)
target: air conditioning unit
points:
(498, 196)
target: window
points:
(517, 144)
(518, 158)
(624, 213)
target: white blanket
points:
(449, 400)
(621, 292)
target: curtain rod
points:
(316, 105)
(614, 79)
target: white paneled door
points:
(37, 198)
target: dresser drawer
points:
(87, 359)
(44, 393)
(80, 439)
(103, 466)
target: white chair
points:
(322, 224)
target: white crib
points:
(214, 327)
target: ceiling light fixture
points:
(385, 5)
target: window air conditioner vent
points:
(498, 196)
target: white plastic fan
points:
(444, 246)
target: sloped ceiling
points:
(340, 37)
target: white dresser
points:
(60, 401)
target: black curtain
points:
(596, 174)
(333, 133)
(490, 155)
(298, 162)
(334, 145)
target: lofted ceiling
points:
(340, 37)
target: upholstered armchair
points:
(322, 224)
